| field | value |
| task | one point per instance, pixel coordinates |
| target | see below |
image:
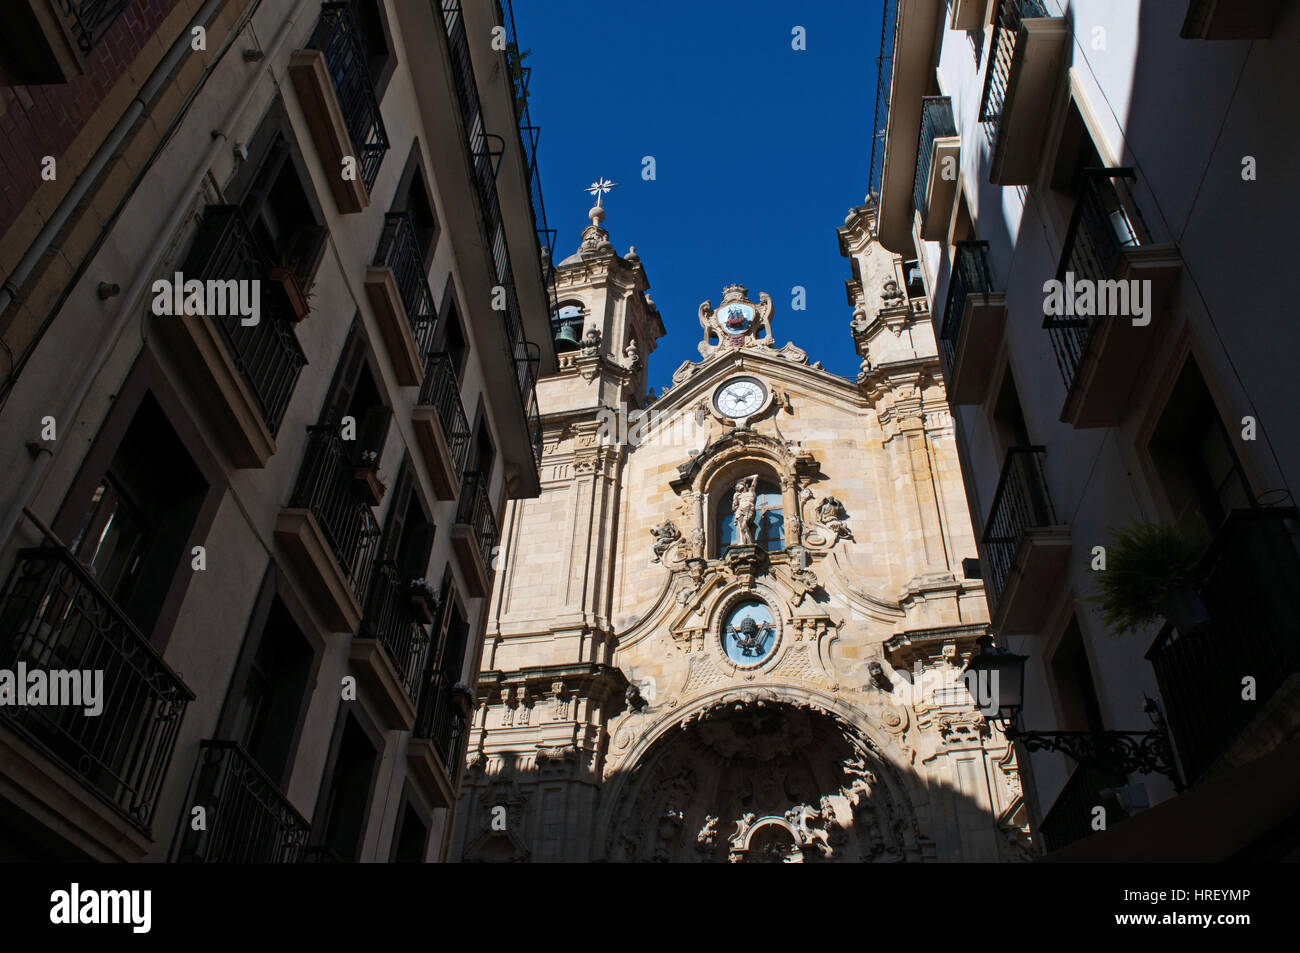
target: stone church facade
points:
(731, 627)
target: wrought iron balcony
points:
(475, 510)
(398, 287)
(1024, 64)
(1071, 815)
(325, 488)
(1107, 256)
(1099, 228)
(973, 319)
(267, 354)
(884, 74)
(1006, 27)
(89, 20)
(528, 133)
(442, 429)
(248, 819)
(474, 535)
(1023, 550)
(1249, 577)
(389, 620)
(484, 158)
(937, 151)
(54, 617)
(338, 37)
(440, 720)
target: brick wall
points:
(37, 121)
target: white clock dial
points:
(740, 397)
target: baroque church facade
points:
(732, 626)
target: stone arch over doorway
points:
(723, 779)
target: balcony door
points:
(1195, 459)
(132, 526)
(342, 816)
(355, 395)
(275, 685)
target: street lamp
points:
(1144, 752)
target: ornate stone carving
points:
(832, 514)
(666, 536)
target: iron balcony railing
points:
(884, 76)
(389, 620)
(1021, 503)
(936, 123)
(1006, 28)
(267, 354)
(1071, 816)
(970, 275)
(441, 391)
(1248, 580)
(325, 488)
(248, 820)
(439, 719)
(484, 157)
(1102, 225)
(89, 20)
(400, 250)
(528, 133)
(55, 619)
(338, 37)
(320, 854)
(474, 509)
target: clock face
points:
(740, 397)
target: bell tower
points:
(549, 684)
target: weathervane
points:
(599, 188)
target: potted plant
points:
(423, 601)
(365, 478)
(463, 699)
(293, 292)
(1150, 574)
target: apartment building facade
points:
(1124, 152)
(274, 306)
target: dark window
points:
(274, 193)
(134, 529)
(411, 839)
(913, 280)
(1075, 691)
(414, 197)
(1008, 417)
(266, 718)
(1076, 153)
(453, 336)
(374, 37)
(355, 393)
(408, 535)
(1195, 458)
(481, 453)
(349, 790)
(453, 635)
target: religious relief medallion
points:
(740, 397)
(749, 634)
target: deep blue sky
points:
(760, 149)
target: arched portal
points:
(760, 781)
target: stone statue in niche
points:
(742, 506)
(832, 514)
(666, 536)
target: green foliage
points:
(515, 59)
(1146, 565)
